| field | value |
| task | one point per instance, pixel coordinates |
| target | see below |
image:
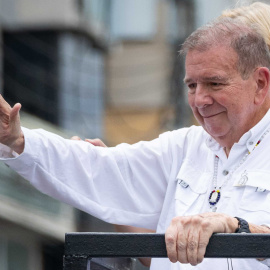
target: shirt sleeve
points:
(265, 262)
(122, 185)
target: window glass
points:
(134, 20)
(13, 255)
(97, 13)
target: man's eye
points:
(192, 85)
(192, 88)
(215, 84)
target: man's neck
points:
(227, 150)
(228, 141)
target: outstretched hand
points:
(10, 127)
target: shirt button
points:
(225, 172)
(250, 143)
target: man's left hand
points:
(187, 237)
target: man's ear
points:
(262, 77)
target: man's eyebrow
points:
(216, 78)
(187, 80)
(208, 79)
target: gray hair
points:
(245, 40)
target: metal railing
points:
(84, 251)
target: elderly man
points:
(191, 182)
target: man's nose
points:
(202, 96)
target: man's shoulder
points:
(186, 138)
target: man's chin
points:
(216, 133)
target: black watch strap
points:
(243, 226)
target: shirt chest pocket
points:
(255, 202)
(190, 191)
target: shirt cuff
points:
(6, 152)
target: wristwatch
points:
(243, 226)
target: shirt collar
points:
(249, 139)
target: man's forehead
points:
(214, 63)
(214, 53)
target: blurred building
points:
(95, 68)
(142, 80)
(52, 60)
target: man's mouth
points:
(211, 115)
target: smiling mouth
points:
(212, 115)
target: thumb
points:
(14, 113)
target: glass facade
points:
(81, 86)
(134, 20)
(13, 255)
(97, 13)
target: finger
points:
(182, 241)
(3, 102)
(202, 248)
(4, 111)
(76, 138)
(192, 245)
(96, 142)
(205, 234)
(171, 240)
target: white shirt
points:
(140, 184)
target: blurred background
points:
(104, 69)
